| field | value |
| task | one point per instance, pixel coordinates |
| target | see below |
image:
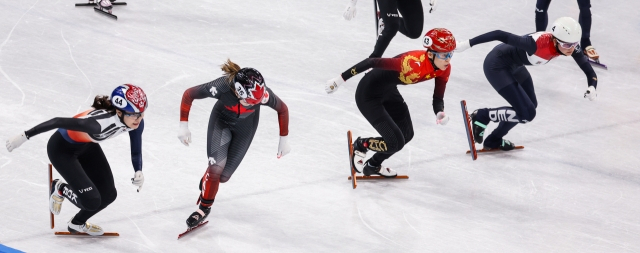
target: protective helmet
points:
(249, 85)
(439, 40)
(129, 98)
(566, 29)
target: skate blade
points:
(94, 4)
(352, 168)
(495, 150)
(598, 64)
(85, 234)
(191, 229)
(380, 177)
(106, 13)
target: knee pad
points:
(92, 203)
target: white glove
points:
(283, 146)
(442, 118)
(433, 3)
(184, 135)
(591, 93)
(333, 84)
(138, 180)
(462, 45)
(16, 141)
(350, 12)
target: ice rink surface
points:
(574, 188)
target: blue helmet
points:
(129, 98)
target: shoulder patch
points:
(213, 90)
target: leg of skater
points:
(542, 18)
(412, 21)
(391, 21)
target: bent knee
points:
(92, 203)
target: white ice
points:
(575, 187)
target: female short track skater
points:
(504, 68)
(380, 102)
(232, 125)
(390, 20)
(542, 19)
(75, 152)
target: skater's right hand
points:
(333, 84)
(16, 141)
(591, 93)
(350, 12)
(184, 135)
(461, 46)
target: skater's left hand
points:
(591, 93)
(433, 4)
(442, 118)
(16, 141)
(283, 146)
(138, 180)
(350, 12)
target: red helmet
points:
(439, 40)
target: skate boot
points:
(87, 227)
(505, 145)
(477, 127)
(55, 196)
(590, 52)
(369, 170)
(198, 216)
(104, 5)
(359, 153)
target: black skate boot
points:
(477, 127)
(369, 170)
(359, 153)
(501, 144)
(198, 216)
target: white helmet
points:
(567, 29)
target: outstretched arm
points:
(207, 90)
(378, 63)
(523, 42)
(89, 125)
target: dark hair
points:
(103, 103)
(230, 70)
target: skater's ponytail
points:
(103, 103)
(230, 69)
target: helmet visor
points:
(566, 45)
(443, 56)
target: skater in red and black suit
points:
(405, 16)
(381, 103)
(504, 69)
(75, 152)
(542, 19)
(232, 125)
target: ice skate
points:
(55, 196)
(359, 153)
(88, 228)
(104, 5)
(505, 145)
(477, 128)
(198, 217)
(369, 170)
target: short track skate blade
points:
(49, 194)
(105, 13)
(597, 64)
(379, 177)
(191, 229)
(85, 234)
(467, 123)
(94, 4)
(353, 177)
(494, 150)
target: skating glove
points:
(442, 118)
(184, 135)
(138, 180)
(333, 84)
(350, 12)
(283, 146)
(16, 141)
(462, 45)
(433, 3)
(591, 93)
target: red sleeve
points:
(441, 84)
(283, 111)
(189, 95)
